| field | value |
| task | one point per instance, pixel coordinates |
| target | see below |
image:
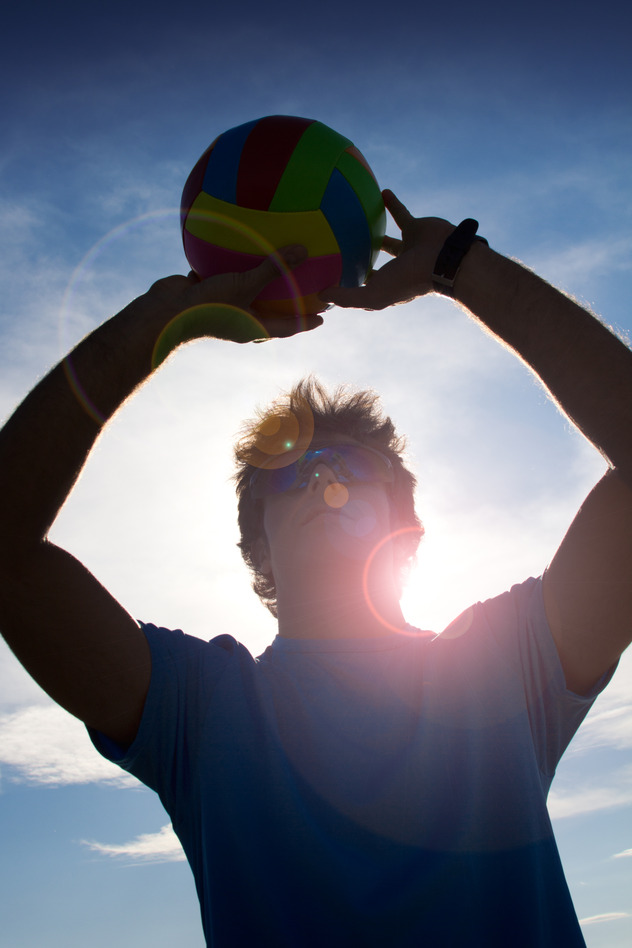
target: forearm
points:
(584, 366)
(73, 637)
(586, 369)
(44, 445)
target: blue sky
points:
(519, 117)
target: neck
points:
(331, 609)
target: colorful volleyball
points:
(284, 180)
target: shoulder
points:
(505, 615)
(505, 638)
(176, 654)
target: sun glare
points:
(454, 569)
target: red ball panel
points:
(311, 276)
(264, 158)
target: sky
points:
(518, 116)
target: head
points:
(285, 430)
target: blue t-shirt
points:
(358, 793)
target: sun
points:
(451, 570)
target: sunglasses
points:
(348, 462)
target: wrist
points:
(452, 254)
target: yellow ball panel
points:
(258, 232)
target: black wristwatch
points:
(452, 253)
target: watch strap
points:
(452, 253)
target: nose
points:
(320, 477)
(325, 479)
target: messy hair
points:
(287, 427)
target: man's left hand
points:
(409, 274)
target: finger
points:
(392, 245)
(281, 327)
(352, 297)
(399, 212)
(276, 264)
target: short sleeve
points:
(185, 673)
(517, 623)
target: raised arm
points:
(71, 635)
(588, 372)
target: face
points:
(324, 526)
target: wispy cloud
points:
(617, 793)
(610, 727)
(579, 265)
(623, 855)
(163, 846)
(46, 745)
(609, 724)
(606, 917)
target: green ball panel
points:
(368, 193)
(307, 173)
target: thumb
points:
(349, 297)
(278, 263)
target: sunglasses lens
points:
(348, 462)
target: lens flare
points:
(271, 426)
(247, 326)
(282, 436)
(403, 630)
(335, 495)
(82, 273)
(218, 320)
(78, 391)
(97, 249)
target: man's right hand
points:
(221, 306)
(70, 634)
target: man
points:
(362, 783)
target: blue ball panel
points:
(220, 180)
(345, 215)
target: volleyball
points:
(276, 181)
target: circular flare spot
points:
(280, 437)
(336, 495)
(276, 431)
(365, 579)
(217, 320)
(269, 426)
